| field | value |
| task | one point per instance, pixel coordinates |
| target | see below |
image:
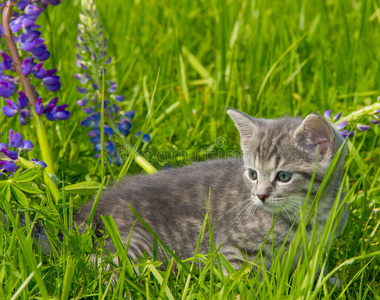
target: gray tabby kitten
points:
(273, 176)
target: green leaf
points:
(113, 231)
(83, 188)
(161, 281)
(20, 196)
(5, 190)
(27, 175)
(28, 187)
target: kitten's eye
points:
(284, 176)
(252, 174)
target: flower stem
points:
(12, 48)
(103, 156)
(43, 142)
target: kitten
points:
(245, 194)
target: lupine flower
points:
(34, 52)
(340, 126)
(145, 138)
(13, 108)
(92, 61)
(372, 111)
(11, 152)
(39, 163)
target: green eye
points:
(252, 174)
(284, 176)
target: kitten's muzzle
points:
(262, 197)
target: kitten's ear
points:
(315, 134)
(244, 124)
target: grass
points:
(266, 58)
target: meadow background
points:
(266, 58)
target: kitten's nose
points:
(262, 197)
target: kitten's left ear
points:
(245, 126)
(315, 134)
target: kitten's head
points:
(280, 157)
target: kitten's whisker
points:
(227, 212)
(253, 210)
(246, 212)
(238, 217)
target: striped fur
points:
(173, 202)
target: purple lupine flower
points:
(7, 88)
(124, 126)
(24, 116)
(22, 100)
(346, 133)
(10, 110)
(22, 4)
(16, 141)
(82, 90)
(145, 138)
(61, 113)
(120, 98)
(26, 145)
(112, 87)
(52, 83)
(360, 127)
(82, 102)
(8, 166)
(89, 110)
(34, 48)
(33, 11)
(39, 163)
(108, 131)
(337, 117)
(341, 125)
(129, 115)
(91, 59)
(39, 108)
(327, 114)
(11, 154)
(7, 61)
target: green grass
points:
(266, 58)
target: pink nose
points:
(262, 197)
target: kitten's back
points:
(173, 202)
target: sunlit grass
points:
(266, 58)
